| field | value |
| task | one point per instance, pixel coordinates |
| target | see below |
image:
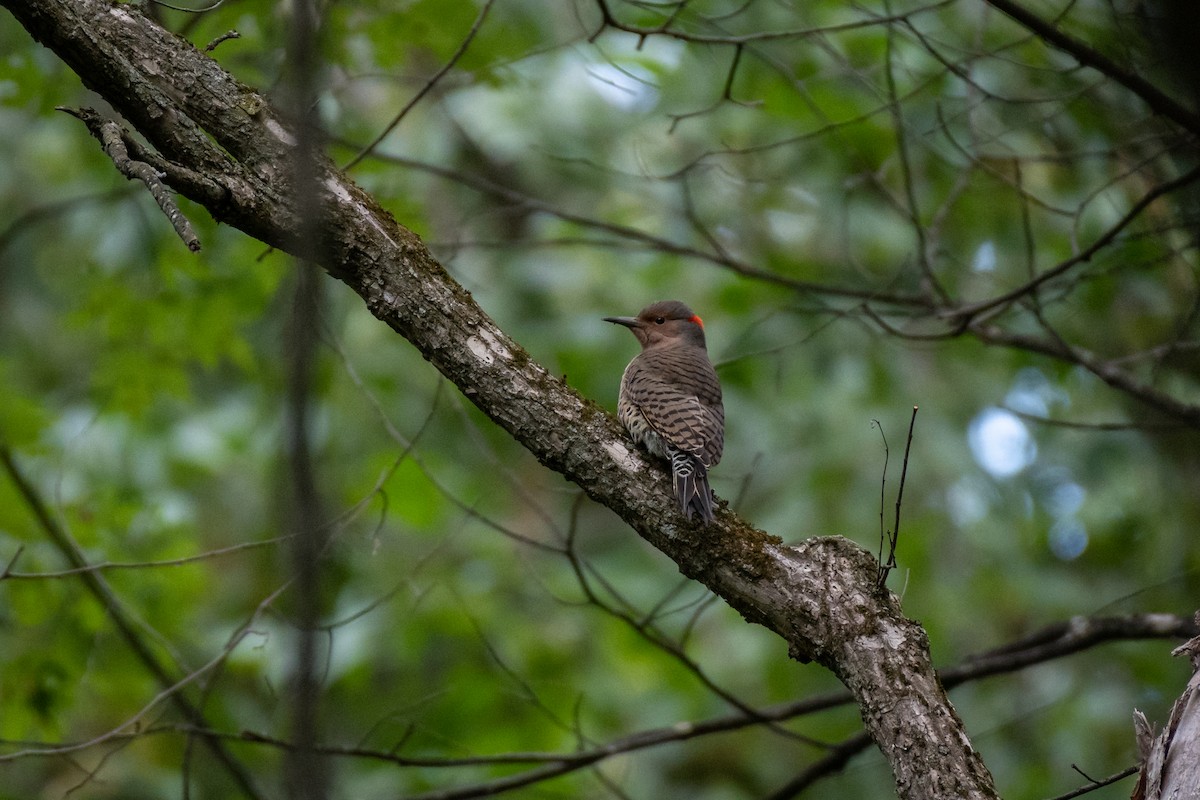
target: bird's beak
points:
(628, 322)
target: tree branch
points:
(112, 139)
(1150, 94)
(1054, 641)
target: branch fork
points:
(113, 138)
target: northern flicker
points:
(670, 400)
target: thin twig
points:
(648, 631)
(911, 206)
(965, 315)
(1054, 641)
(1089, 57)
(210, 7)
(912, 421)
(882, 490)
(833, 761)
(653, 241)
(112, 140)
(104, 594)
(1094, 785)
(609, 20)
(8, 567)
(224, 37)
(893, 536)
(102, 566)
(426, 89)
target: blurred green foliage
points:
(141, 389)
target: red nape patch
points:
(696, 319)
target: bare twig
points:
(1093, 426)
(426, 89)
(210, 7)
(1070, 636)
(1097, 784)
(911, 205)
(104, 594)
(964, 315)
(1120, 379)
(656, 242)
(883, 534)
(609, 20)
(726, 94)
(830, 763)
(1157, 100)
(1054, 641)
(102, 566)
(893, 536)
(647, 630)
(112, 139)
(900, 491)
(8, 567)
(224, 37)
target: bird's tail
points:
(691, 486)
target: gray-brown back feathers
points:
(670, 399)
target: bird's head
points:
(663, 323)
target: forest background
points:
(873, 207)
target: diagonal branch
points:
(1150, 94)
(1187, 413)
(963, 316)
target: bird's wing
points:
(681, 419)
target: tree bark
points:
(222, 145)
(1171, 761)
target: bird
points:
(670, 400)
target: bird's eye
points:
(659, 320)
